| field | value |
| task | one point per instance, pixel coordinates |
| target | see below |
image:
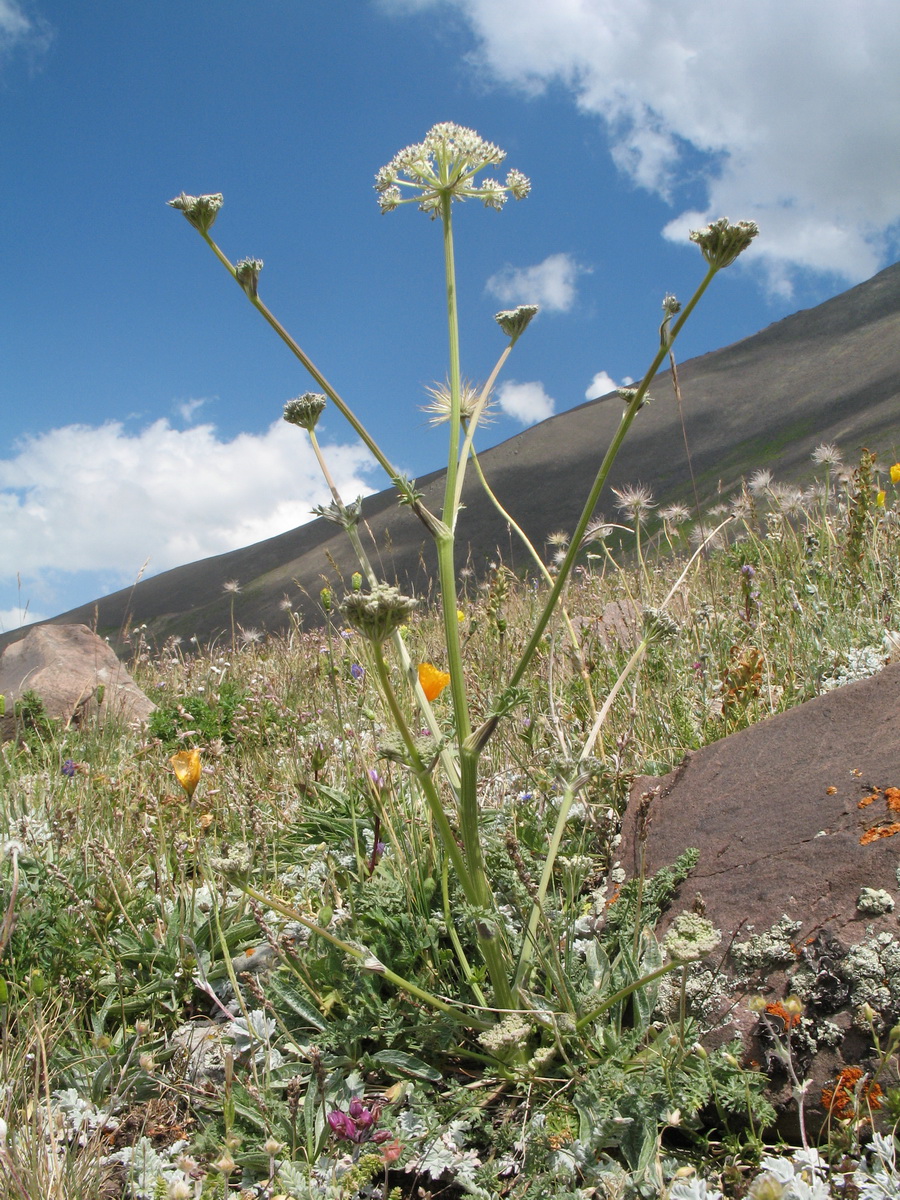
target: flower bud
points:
(246, 272)
(225, 1164)
(305, 410)
(378, 613)
(514, 321)
(201, 211)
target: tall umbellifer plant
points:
(447, 167)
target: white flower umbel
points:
(445, 164)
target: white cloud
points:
(525, 402)
(87, 498)
(550, 283)
(186, 408)
(16, 29)
(601, 385)
(786, 114)
(15, 618)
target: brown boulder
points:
(74, 672)
(793, 818)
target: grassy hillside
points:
(294, 901)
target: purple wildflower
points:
(357, 672)
(358, 1124)
(69, 767)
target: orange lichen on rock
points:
(848, 1094)
(867, 800)
(879, 831)
(892, 797)
(777, 1009)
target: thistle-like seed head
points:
(305, 410)
(441, 406)
(378, 613)
(201, 211)
(721, 242)
(445, 164)
(514, 321)
(246, 272)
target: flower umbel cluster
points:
(378, 613)
(201, 211)
(721, 242)
(445, 164)
(305, 410)
(514, 321)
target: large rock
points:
(76, 675)
(794, 818)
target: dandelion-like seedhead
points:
(597, 529)
(827, 455)
(441, 406)
(760, 481)
(721, 242)
(514, 321)
(305, 410)
(378, 613)
(675, 514)
(246, 272)
(445, 164)
(635, 502)
(201, 211)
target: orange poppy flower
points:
(186, 765)
(432, 680)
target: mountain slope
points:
(826, 374)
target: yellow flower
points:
(186, 765)
(460, 615)
(432, 680)
(879, 499)
(895, 473)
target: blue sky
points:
(141, 394)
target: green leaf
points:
(298, 1006)
(398, 1063)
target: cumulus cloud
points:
(87, 498)
(786, 114)
(527, 403)
(550, 283)
(601, 385)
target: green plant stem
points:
(475, 880)
(423, 777)
(472, 425)
(449, 762)
(339, 403)
(548, 578)
(468, 862)
(456, 943)
(624, 993)
(600, 482)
